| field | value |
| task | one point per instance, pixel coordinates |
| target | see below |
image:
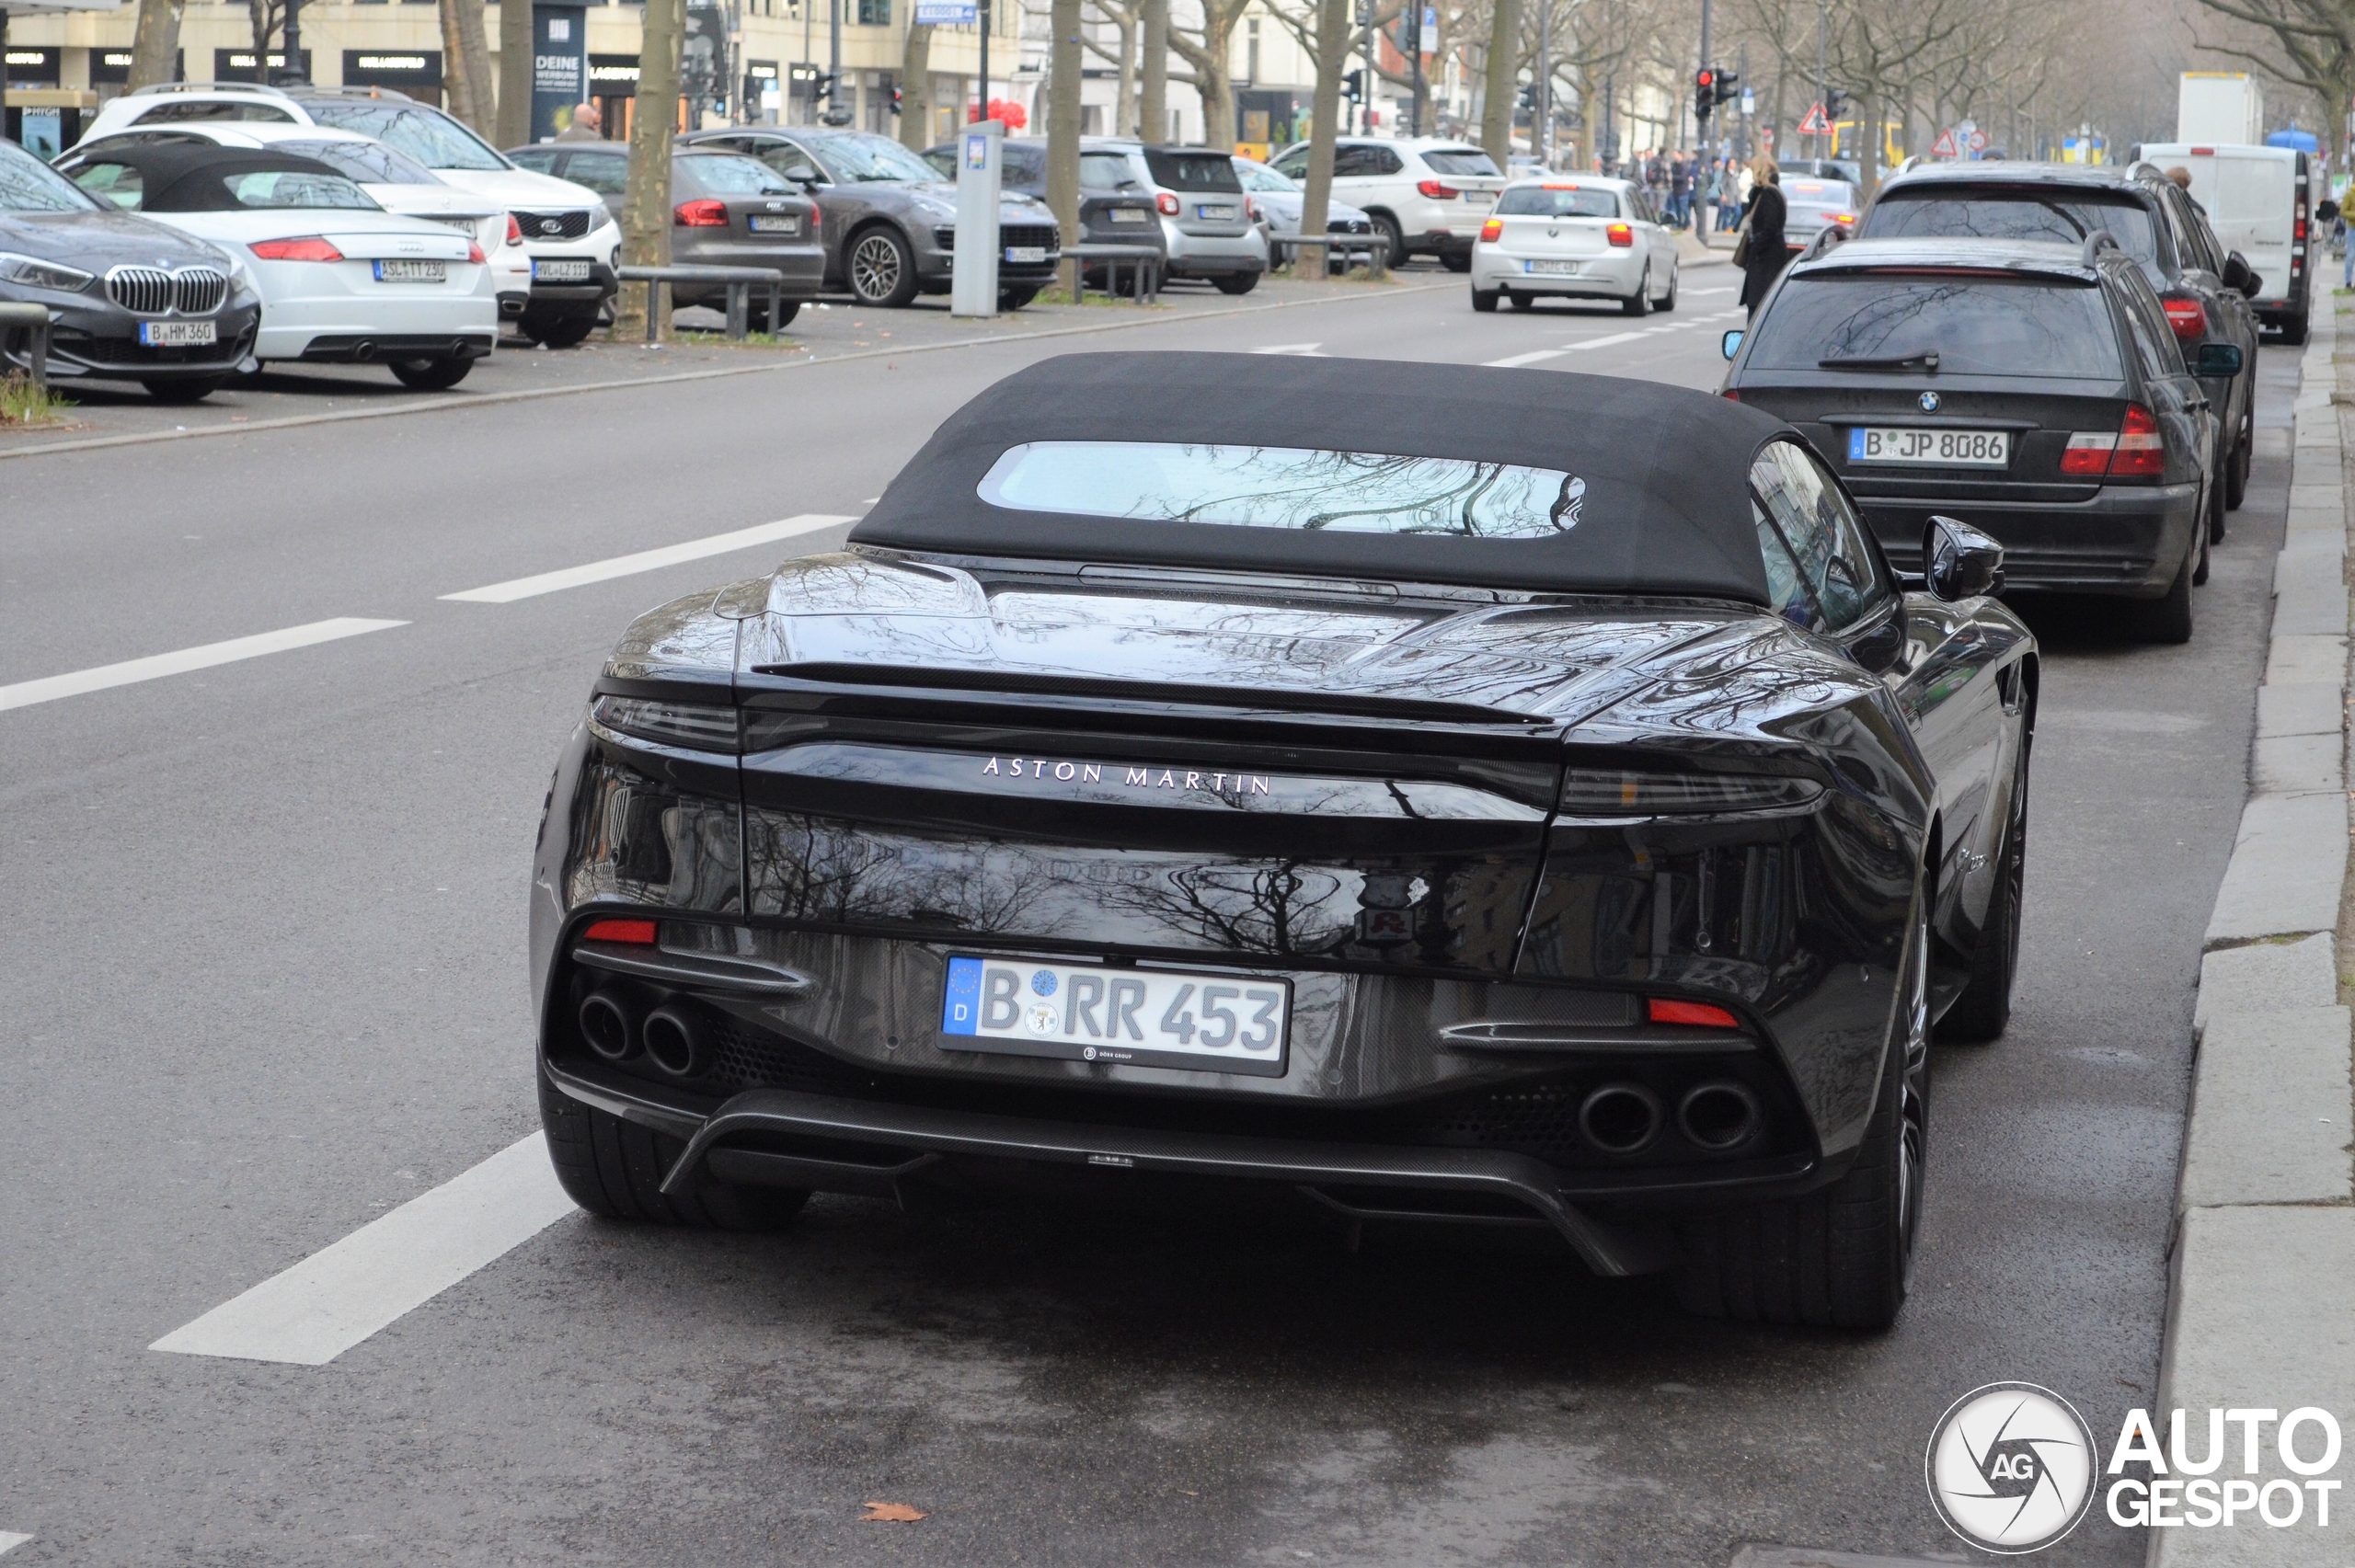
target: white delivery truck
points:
(2259, 201)
(2220, 106)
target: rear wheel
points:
(1522, 300)
(2237, 477)
(1668, 301)
(614, 1168)
(757, 318)
(430, 375)
(882, 269)
(1387, 227)
(2293, 331)
(1236, 282)
(1014, 299)
(1639, 303)
(558, 329)
(1455, 261)
(1838, 1257)
(190, 389)
(1486, 299)
(2213, 531)
(2167, 619)
(1985, 1005)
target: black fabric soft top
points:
(1667, 508)
(180, 176)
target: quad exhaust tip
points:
(1718, 1117)
(674, 1042)
(1621, 1118)
(606, 1024)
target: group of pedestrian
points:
(1691, 192)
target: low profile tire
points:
(1387, 227)
(559, 331)
(1639, 303)
(882, 269)
(757, 318)
(1236, 282)
(614, 1169)
(2237, 477)
(1521, 299)
(430, 375)
(1014, 299)
(1486, 299)
(2167, 619)
(2211, 533)
(1983, 1009)
(1456, 262)
(192, 389)
(1668, 301)
(1838, 1257)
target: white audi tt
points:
(341, 280)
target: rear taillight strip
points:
(2136, 449)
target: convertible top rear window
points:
(1295, 488)
(1983, 324)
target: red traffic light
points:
(1703, 78)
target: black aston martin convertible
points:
(1433, 794)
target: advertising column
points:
(559, 66)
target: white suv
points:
(1427, 194)
(564, 244)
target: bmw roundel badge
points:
(1929, 402)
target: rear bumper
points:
(783, 1137)
(1611, 277)
(2127, 540)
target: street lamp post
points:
(293, 70)
(1541, 106)
(982, 11)
(833, 64)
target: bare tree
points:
(465, 54)
(155, 47)
(915, 87)
(1208, 49)
(1062, 129)
(646, 203)
(264, 17)
(1152, 92)
(1324, 128)
(2307, 43)
(514, 76)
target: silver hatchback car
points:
(1206, 217)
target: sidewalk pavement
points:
(2261, 1309)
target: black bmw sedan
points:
(2034, 391)
(129, 298)
(1432, 794)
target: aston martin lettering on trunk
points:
(1217, 782)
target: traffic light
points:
(1729, 84)
(1704, 94)
(1835, 100)
(1353, 85)
(895, 101)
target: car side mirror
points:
(1960, 562)
(1730, 344)
(2238, 276)
(2218, 359)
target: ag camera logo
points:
(2010, 1468)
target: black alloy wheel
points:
(882, 269)
(1387, 227)
(1639, 303)
(186, 389)
(1984, 1008)
(437, 374)
(1840, 1256)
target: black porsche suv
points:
(2204, 290)
(2033, 391)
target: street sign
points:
(1429, 44)
(1978, 140)
(1817, 122)
(1944, 146)
(947, 13)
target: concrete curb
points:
(2261, 1294)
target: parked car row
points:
(2062, 357)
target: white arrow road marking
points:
(349, 1290)
(648, 560)
(24, 694)
(1305, 351)
(10, 1543)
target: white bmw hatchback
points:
(1577, 237)
(341, 280)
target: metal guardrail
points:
(740, 281)
(34, 319)
(1376, 246)
(1145, 263)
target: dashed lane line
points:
(648, 560)
(349, 1289)
(1533, 357)
(24, 693)
(1537, 356)
(9, 1541)
(1298, 350)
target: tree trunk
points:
(465, 55)
(916, 89)
(1062, 129)
(646, 205)
(1869, 140)
(514, 73)
(1216, 78)
(1152, 93)
(154, 50)
(1504, 75)
(1324, 127)
(1124, 95)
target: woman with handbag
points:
(1760, 250)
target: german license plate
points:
(1221, 212)
(559, 272)
(1479, 197)
(1026, 253)
(179, 333)
(767, 223)
(1212, 1022)
(1128, 215)
(1550, 269)
(1937, 449)
(412, 271)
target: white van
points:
(2259, 203)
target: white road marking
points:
(1607, 342)
(1305, 351)
(1701, 293)
(131, 671)
(1529, 358)
(349, 1290)
(647, 560)
(10, 1543)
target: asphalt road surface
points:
(262, 982)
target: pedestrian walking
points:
(1761, 252)
(1680, 192)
